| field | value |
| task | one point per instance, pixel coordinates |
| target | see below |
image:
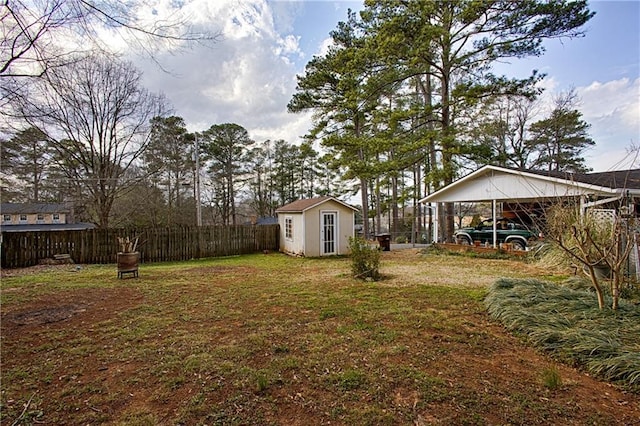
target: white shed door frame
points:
(328, 233)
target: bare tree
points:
(594, 243)
(34, 32)
(98, 117)
(499, 131)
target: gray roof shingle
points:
(617, 179)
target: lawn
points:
(270, 339)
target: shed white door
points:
(328, 232)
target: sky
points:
(249, 75)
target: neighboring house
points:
(316, 227)
(22, 217)
(264, 220)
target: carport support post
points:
(495, 224)
(436, 213)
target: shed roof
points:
(300, 206)
(501, 183)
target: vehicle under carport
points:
(535, 189)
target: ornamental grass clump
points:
(551, 378)
(365, 260)
(568, 323)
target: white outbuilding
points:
(316, 227)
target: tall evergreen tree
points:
(28, 157)
(334, 86)
(169, 163)
(260, 179)
(560, 139)
(285, 162)
(453, 44)
(225, 148)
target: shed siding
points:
(343, 232)
(307, 229)
(296, 244)
(346, 223)
(312, 231)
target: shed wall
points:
(345, 223)
(296, 245)
(307, 230)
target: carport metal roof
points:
(498, 184)
(491, 183)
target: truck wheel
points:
(463, 240)
(518, 245)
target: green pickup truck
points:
(507, 231)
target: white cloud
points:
(617, 99)
(284, 14)
(288, 45)
(247, 78)
(290, 128)
(613, 110)
(326, 44)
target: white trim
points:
(489, 170)
(586, 205)
(283, 209)
(289, 219)
(336, 233)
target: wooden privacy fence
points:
(20, 249)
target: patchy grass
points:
(270, 339)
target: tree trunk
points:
(365, 206)
(596, 286)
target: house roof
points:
(501, 183)
(47, 227)
(618, 179)
(305, 204)
(267, 220)
(26, 208)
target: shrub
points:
(365, 260)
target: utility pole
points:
(197, 182)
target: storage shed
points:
(316, 227)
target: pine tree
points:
(560, 139)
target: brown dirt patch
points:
(73, 307)
(44, 315)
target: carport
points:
(500, 185)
